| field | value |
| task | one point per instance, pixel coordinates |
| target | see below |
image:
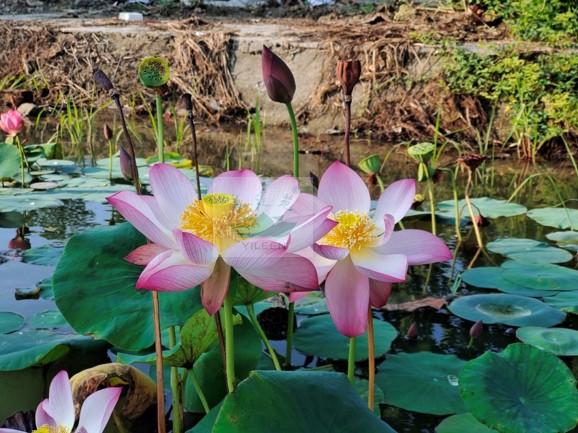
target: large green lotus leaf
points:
(248, 294)
(461, 423)
(312, 304)
(556, 217)
(9, 161)
(490, 277)
(567, 240)
(489, 207)
(422, 382)
(564, 301)
(507, 309)
(35, 348)
(61, 165)
(85, 188)
(361, 387)
(10, 322)
(48, 320)
(528, 250)
(206, 424)
(94, 288)
(296, 401)
(209, 368)
(541, 276)
(28, 202)
(520, 390)
(318, 336)
(47, 255)
(559, 341)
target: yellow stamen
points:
(51, 429)
(354, 231)
(218, 219)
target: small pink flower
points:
(11, 122)
(57, 413)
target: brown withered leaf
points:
(431, 302)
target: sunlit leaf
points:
(559, 218)
(489, 207)
(540, 276)
(528, 250)
(559, 341)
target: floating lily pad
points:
(61, 165)
(491, 277)
(43, 186)
(520, 390)
(567, 240)
(462, 422)
(319, 402)
(47, 255)
(541, 276)
(35, 348)
(9, 160)
(559, 341)
(489, 207)
(556, 217)
(48, 320)
(422, 382)
(507, 309)
(10, 322)
(564, 301)
(312, 304)
(318, 336)
(529, 250)
(28, 202)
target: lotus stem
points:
(160, 127)
(22, 161)
(110, 160)
(261, 333)
(159, 365)
(371, 360)
(351, 360)
(135, 177)
(175, 388)
(289, 340)
(471, 210)
(229, 342)
(191, 118)
(199, 390)
(347, 107)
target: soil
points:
(404, 110)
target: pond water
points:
(439, 330)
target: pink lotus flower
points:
(236, 225)
(278, 78)
(363, 255)
(11, 122)
(57, 413)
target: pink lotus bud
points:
(11, 122)
(412, 331)
(125, 164)
(477, 329)
(348, 73)
(107, 132)
(277, 76)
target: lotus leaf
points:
(423, 382)
(491, 277)
(558, 218)
(507, 309)
(312, 304)
(489, 207)
(10, 322)
(559, 341)
(520, 390)
(326, 402)
(528, 250)
(9, 161)
(565, 301)
(567, 240)
(540, 276)
(462, 422)
(48, 320)
(318, 336)
(47, 255)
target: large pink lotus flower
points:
(56, 414)
(236, 225)
(362, 255)
(11, 122)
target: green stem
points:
(110, 160)
(432, 205)
(290, 325)
(177, 407)
(160, 128)
(261, 333)
(200, 393)
(229, 342)
(22, 160)
(371, 360)
(351, 359)
(295, 140)
(471, 210)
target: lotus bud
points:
(472, 161)
(19, 242)
(477, 329)
(102, 79)
(412, 331)
(348, 73)
(11, 122)
(188, 101)
(481, 221)
(107, 132)
(278, 78)
(125, 164)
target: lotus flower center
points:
(51, 429)
(354, 231)
(219, 219)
